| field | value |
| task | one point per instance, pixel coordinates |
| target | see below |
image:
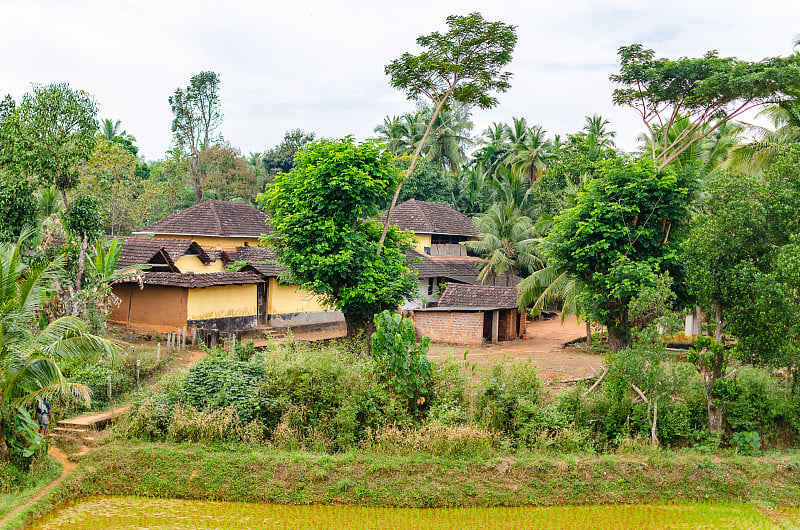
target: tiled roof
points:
(213, 218)
(431, 218)
(142, 250)
(261, 259)
(460, 295)
(197, 281)
(459, 268)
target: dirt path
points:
(542, 348)
(183, 358)
(67, 467)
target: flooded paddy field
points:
(149, 513)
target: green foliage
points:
(426, 183)
(280, 159)
(22, 437)
(403, 362)
(747, 443)
(505, 395)
(18, 207)
(324, 234)
(50, 131)
(465, 63)
(620, 235)
(83, 217)
(706, 89)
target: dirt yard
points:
(542, 347)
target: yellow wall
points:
(222, 301)
(193, 264)
(215, 241)
(423, 240)
(291, 299)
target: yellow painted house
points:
(202, 240)
(188, 251)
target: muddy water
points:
(146, 513)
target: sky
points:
(318, 65)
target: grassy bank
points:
(248, 474)
(17, 487)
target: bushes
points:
(300, 396)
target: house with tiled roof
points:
(212, 223)
(187, 253)
(437, 226)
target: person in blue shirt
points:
(43, 415)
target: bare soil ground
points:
(542, 347)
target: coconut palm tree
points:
(597, 132)
(471, 190)
(528, 149)
(112, 129)
(757, 155)
(507, 242)
(30, 357)
(446, 145)
(494, 146)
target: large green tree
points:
(463, 67)
(707, 91)
(325, 235)
(48, 134)
(741, 259)
(197, 116)
(620, 235)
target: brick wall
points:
(450, 326)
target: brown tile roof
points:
(488, 296)
(459, 268)
(143, 250)
(431, 218)
(213, 218)
(261, 259)
(197, 281)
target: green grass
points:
(227, 472)
(121, 512)
(19, 487)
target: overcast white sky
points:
(318, 65)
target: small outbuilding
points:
(471, 314)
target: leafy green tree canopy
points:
(18, 208)
(710, 91)
(465, 66)
(619, 236)
(324, 234)
(48, 133)
(280, 159)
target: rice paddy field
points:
(147, 513)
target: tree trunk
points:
(710, 377)
(588, 334)
(81, 262)
(654, 426)
(619, 337)
(719, 328)
(359, 329)
(411, 168)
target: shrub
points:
(403, 363)
(747, 443)
(504, 392)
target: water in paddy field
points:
(146, 513)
